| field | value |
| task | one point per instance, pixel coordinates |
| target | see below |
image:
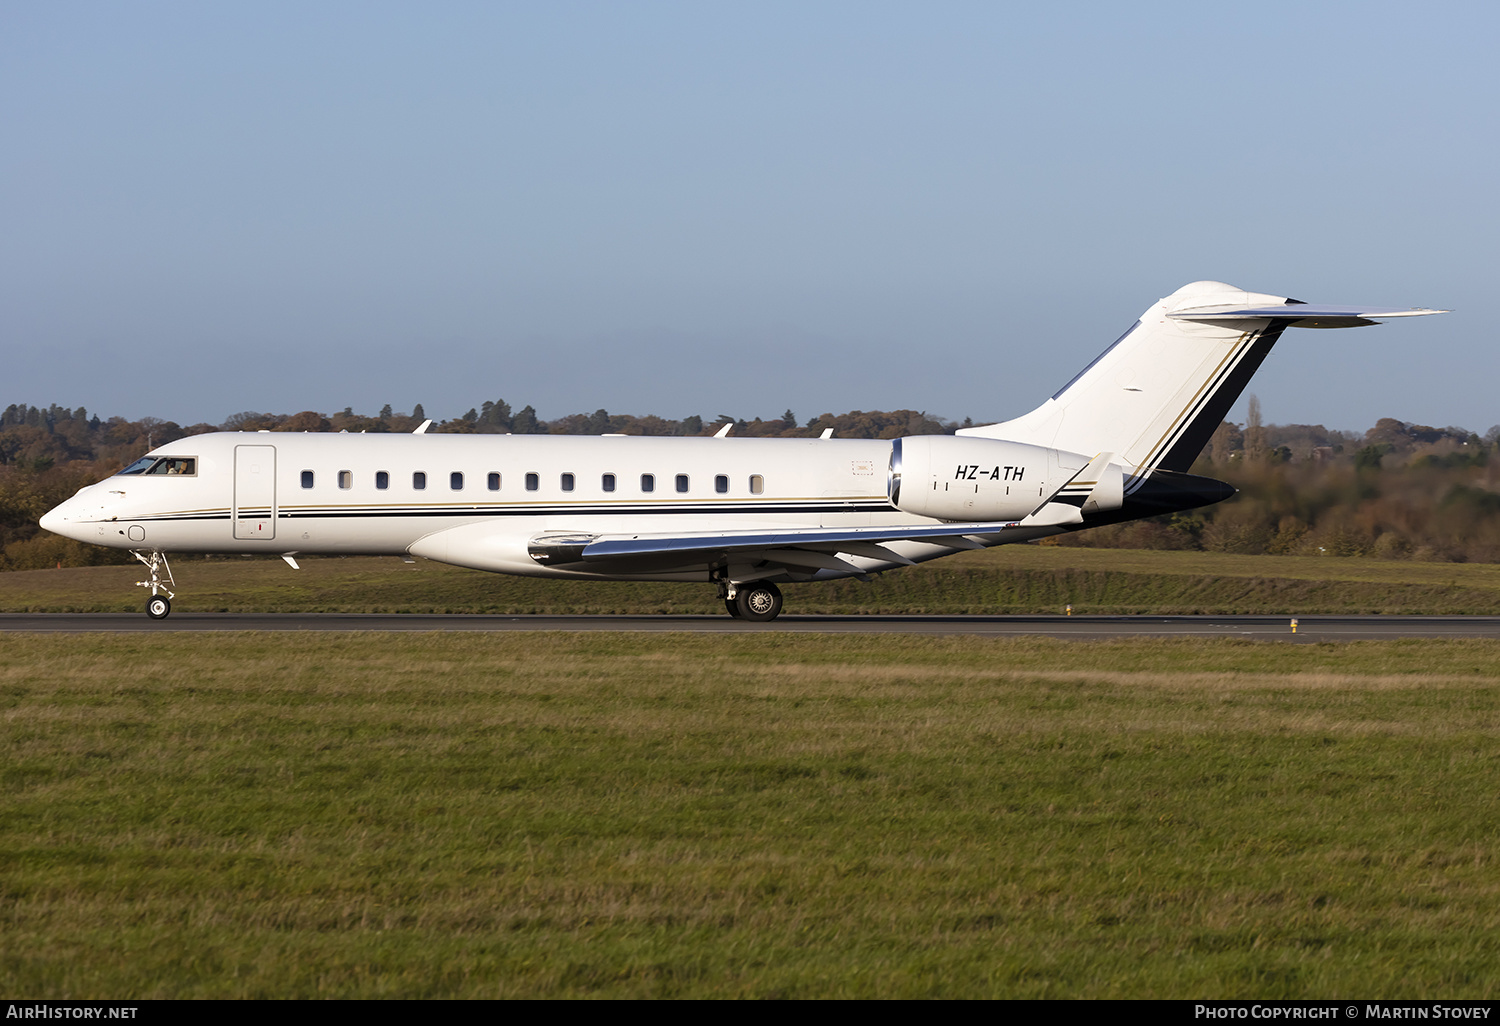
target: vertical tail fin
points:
(1157, 394)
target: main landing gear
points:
(160, 602)
(758, 601)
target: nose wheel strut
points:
(160, 602)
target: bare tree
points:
(1255, 432)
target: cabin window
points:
(757, 484)
(682, 482)
(419, 480)
(721, 483)
(382, 480)
(608, 482)
(307, 479)
(648, 482)
(533, 482)
(494, 482)
(346, 479)
(456, 481)
(567, 482)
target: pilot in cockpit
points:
(174, 465)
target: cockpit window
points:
(175, 466)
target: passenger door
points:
(254, 512)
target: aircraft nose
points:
(52, 520)
(64, 519)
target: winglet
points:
(421, 429)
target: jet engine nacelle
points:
(953, 478)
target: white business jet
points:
(744, 514)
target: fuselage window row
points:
(567, 481)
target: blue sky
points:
(709, 208)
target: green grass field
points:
(1010, 579)
(746, 815)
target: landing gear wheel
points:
(759, 601)
(733, 607)
(161, 583)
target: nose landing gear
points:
(160, 602)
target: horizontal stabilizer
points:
(1297, 315)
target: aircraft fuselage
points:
(380, 494)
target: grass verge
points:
(1010, 579)
(746, 815)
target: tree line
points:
(38, 437)
(1396, 491)
(49, 452)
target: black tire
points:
(759, 601)
(158, 606)
(732, 607)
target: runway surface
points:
(1268, 628)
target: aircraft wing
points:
(1293, 314)
(485, 546)
(819, 547)
(811, 547)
